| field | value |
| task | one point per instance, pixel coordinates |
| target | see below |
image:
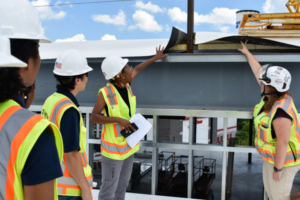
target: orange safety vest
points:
(19, 131)
(265, 144)
(53, 109)
(113, 144)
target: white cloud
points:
(224, 29)
(75, 38)
(108, 37)
(176, 15)
(119, 20)
(47, 13)
(275, 6)
(149, 7)
(168, 28)
(218, 16)
(145, 22)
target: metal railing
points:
(191, 146)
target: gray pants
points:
(115, 178)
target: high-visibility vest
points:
(53, 110)
(265, 144)
(19, 131)
(113, 144)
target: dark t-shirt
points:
(124, 94)
(42, 164)
(279, 113)
(70, 126)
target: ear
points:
(77, 81)
(122, 76)
(30, 63)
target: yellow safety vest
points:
(265, 144)
(19, 131)
(53, 110)
(113, 144)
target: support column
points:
(192, 131)
(190, 26)
(154, 156)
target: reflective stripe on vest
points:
(129, 89)
(59, 106)
(113, 148)
(111, 95)
(113, 144)
(265, 144)
(66, 184)
(19, 131)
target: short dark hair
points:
(24, 49)
(10, 83)
(67, 83)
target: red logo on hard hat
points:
(104, 74)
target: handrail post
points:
(225, 126)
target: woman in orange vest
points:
(118, 105)
(277, 128)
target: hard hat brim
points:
(88, 69)
(11, 61)
(41, 39)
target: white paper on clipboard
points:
(144, 127)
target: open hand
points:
(160, 53)
(244, 50)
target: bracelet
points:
(277, 170)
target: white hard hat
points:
(6, 59)
(20, 20)
(71, 63)
(276, 76)
(112, 65)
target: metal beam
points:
(190, 26)
(207, 57)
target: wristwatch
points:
(277, 170)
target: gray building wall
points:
(179, 85)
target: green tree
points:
(242, 136)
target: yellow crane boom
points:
(273, 24)
(293, 4)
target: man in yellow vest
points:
(118, 104)
(71, 73)
(25, 138)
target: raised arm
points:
(159, 55)
(254, 64)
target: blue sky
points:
(142, 19)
